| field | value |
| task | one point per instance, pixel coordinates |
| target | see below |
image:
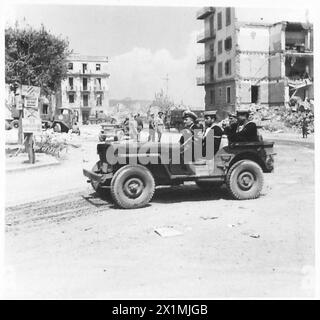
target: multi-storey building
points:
(249, 63)
(86, 89)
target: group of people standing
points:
(156, 125)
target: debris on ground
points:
(209, 218)
(254, 235)
(166, 232)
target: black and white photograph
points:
(159, 150)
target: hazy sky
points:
(143, 43)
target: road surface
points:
(76, 245)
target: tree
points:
(35, 57)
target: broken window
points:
(228, 16)
(71, 98)
(85, 83)
(227, 68)
(228, 95)
(98, 67)
(219, 20)
(45, 109)
(211, 25)
(220, 92)
(70, 66)
(228, 44)
(254, 94)
(211, 51)
(220, 69)
(220, 47)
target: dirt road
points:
(79, 246)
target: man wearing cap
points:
(246, 129)
(231, 128)
(190, 133)
(212, 134)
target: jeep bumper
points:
(98, 177)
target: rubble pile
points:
(286, 120)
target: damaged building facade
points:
(253, 62)
(85, 89)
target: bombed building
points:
(253, 62)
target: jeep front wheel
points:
(132, 186)
(245, 180)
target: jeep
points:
(238, 165)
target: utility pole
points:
(167, 84)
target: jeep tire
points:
(132, 186)
(245, 180)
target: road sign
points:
(31, 122)
(30, 91)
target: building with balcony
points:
(86, 88)
(253, 62)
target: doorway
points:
(255, 94)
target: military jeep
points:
(238, 165)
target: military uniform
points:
(212, 133)
(245, 133)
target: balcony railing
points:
(202, 59)
(85, 88)
(205, 36)
(201, 81)
(205, 12)
(99, 88)
(71, 88)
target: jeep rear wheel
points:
(245, 180)
(132, 186)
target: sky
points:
(144, 44)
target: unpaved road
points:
(80, 246)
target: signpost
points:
(30, 121)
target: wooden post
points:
(30, 147)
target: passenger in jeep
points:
(212, 133)
(246, 130)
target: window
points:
(98, 67)
(70, 66)
(98, 83)
(219, 20)
(211, 51)
(212, 97)
(228, 44)
(220, 92)
(71, 83)
(228, 16)
(211, 25)
(228, 95)
(211, 73)
(220, 69)
(71, 98)
(84, 68)
(220, 47)
(99, 100)
(227, 68)
(254, 94)
(85, 100)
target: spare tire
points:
(132, 186)
(245, 180)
